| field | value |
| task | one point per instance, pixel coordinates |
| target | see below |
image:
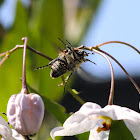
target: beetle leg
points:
(68, 77)
(66, 80)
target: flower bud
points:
(25, 113)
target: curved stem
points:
(110, 101)
(108, 42)
(24, 84)
(131, 79)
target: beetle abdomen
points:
(57, 69)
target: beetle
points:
(68, 61)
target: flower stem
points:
(131, 79)
(108, 42)
(24, 84)
(110, 101)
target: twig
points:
(29, 48)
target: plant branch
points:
(20, 47)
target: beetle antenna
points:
(62, 41)
(70, 47)
(69, 43)
(67, 46)
(41, 67)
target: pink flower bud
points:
(25, 113)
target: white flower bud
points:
(25, 113)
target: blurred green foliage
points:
(43, 21)
(1, 1)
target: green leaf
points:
(83, 136)
(119, 131)
(57, 110)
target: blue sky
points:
(116, 20)
(6, 13)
